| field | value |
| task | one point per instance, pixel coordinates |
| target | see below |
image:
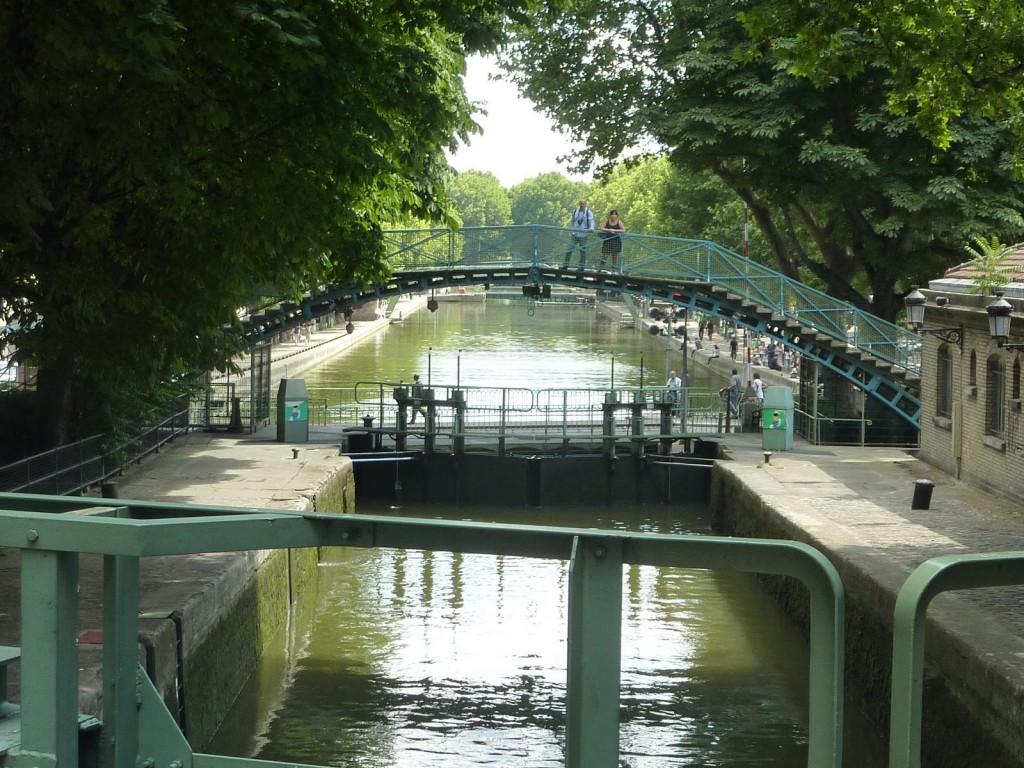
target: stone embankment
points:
(223, 610)
(854, 505)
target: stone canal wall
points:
(207, 619)
(229, 627)
(972, 700)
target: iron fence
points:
(75, 467)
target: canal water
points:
(413, 659)
(509, 344)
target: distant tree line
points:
(652, 196)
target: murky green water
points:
(415, 659)
(501, 345)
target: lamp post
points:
(915, 302)
(999, 322)
(658, 314)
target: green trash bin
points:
(292, 411)
(777, 419)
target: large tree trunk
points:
(55, 387)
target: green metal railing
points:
(137, 729)
(662, 258)
(940, 574)
(477, 417)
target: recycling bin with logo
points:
(777, 419)
(292, 411)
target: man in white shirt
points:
(673, 385)
(581, 223)
(758, 386)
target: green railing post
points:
(594, 654)
(49, 658)
(940, 574)
(120, 738)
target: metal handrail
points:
(667, 258)
(931, 578)
(77, 466)
(53, 531)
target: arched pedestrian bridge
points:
(874, 354)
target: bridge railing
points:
(546, 414)
(52, 533)
(662, 258)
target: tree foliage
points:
(945, 58)
(480, 199)
(162, 163)
(820, 162)
(546, 199)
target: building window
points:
(1015, 385)
(972, 371)
(944, 383)
(995, 394)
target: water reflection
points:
(498, 344)
(416, 658)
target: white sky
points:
(517, 143)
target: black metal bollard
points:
(922, 494)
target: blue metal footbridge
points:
(880, 357)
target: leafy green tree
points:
(546, 199)
(945, 58)
(820, 163)
(480, 199)
(655, 197)
(162, 164)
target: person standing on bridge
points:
(611, 246)
(580, 224)
(417, 399)
(673, 385)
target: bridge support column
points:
(430, 422)
(458, 434)
(637, 431)
(608, 425)
(402, 418)
(665, 420)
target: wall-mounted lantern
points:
(999, 322)
(914, 302)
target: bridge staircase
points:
(875, 355)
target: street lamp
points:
(669, 316)
(914, 302)
(999, 322)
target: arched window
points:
(944, 383)
(995, 395)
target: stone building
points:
(972, 425)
